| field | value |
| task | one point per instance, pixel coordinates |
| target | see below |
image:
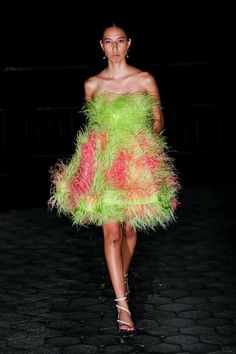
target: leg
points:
(113, 253)
(128, 245)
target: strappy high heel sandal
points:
(127, 288)
(131, 329)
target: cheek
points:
(106, 48)
(124, 49)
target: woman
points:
(120, 176)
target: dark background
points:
(67, 34)
(47, 51)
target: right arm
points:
(90, 88)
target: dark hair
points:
(115, 22)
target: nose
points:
(114, 45)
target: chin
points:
(115, 59)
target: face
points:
(115, 43)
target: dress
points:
(120, 170)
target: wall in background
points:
(39, 119)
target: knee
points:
(129, 232)
(112, 235)
(112, 238)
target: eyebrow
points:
(111, 38)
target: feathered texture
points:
(120, 170)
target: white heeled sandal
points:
(131, 328)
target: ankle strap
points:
(123, 308)
(121, 298)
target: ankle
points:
(122, 299)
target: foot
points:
(124, 316)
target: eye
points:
(107, 41)
(121, 40)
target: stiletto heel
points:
(131, 329)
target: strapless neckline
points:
(113, 96)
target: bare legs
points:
(128, 246)
(119, 244)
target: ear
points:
(129, 43)
(101, 44)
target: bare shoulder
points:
(93, 84)
(90, 87)
(148, 83)
(147, 78)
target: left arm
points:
(152, 88)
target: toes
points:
(126, 327)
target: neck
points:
(117, 70)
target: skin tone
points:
(121, 78)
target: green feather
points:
(123, 121)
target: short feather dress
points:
(121, 170)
